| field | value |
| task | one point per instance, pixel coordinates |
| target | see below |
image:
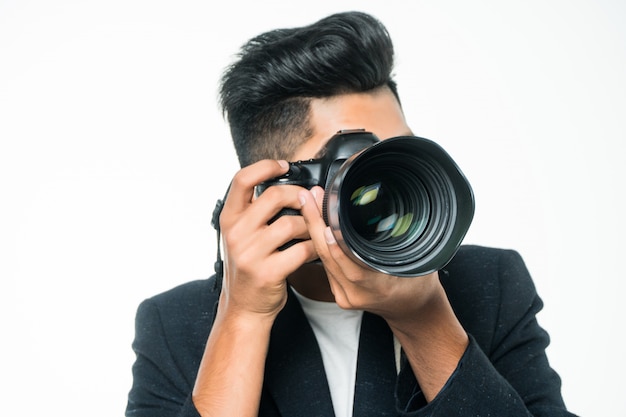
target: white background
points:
(113, 152)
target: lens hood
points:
(401, 206)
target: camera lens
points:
(400, 206)
(397, 214)
(388, 210)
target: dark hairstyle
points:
(266, 92)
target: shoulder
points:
(171, 329)
(486, 286)
(482, 258)
(483, 269)
(174, 325)
(180, 309)
(192, 293)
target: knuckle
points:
(243, 179)
(245, 262)
(344, 303)
(290, 224)
(232, 237)
(277, 193)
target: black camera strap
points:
(218, 266)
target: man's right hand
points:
(255, 271)
(254, 290)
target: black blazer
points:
(504, 371)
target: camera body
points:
(312, 172)
(400, 206)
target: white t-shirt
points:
(337, 332)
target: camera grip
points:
(286, 212)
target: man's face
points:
(378, 112)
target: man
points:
(281, 335)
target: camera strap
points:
(218, 266)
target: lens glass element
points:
(385, 212)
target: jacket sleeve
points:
(510, 376)
(159, 388)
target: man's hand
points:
(255, 270)
(230, 377)
(416, 309)
(356, 286)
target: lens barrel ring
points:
(417, 173)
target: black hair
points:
(265, 93)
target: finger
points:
(285, 229)
(241, 190)
(273, 200)
(336, 287)
(338, 264)
(321, 234)
(318, 193)
(333, 247)
(314, 222)
(295, 256)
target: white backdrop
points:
(113, 153)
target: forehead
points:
(378, 112)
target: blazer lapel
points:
(376, 369)
(295, 376)
(294, 371)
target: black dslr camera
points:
(400, 206)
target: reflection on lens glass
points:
(402, 225)
(385, 224)
(380, 212)
(365, 195)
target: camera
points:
(400, 206)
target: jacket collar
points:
(295, 376)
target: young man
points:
(281, 335)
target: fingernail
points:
(302, 198)
(328, 235)
(283, 164)
(314, 192)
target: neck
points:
(310, 280)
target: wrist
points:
(434, 317)
(241, 320)
(249, 308)
(434, 342)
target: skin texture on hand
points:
(416, 309)
(254, 291)
(255, 271)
